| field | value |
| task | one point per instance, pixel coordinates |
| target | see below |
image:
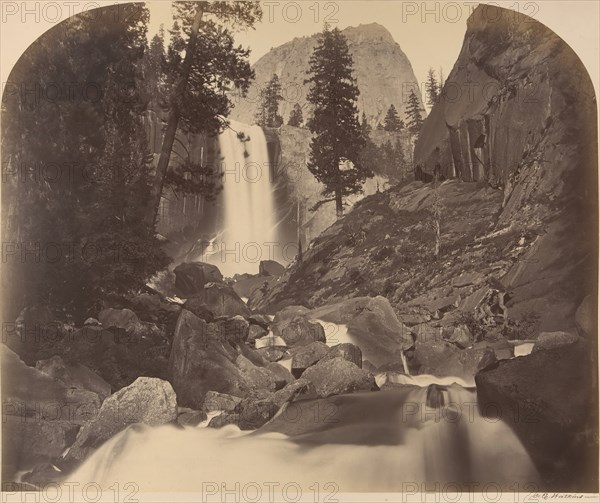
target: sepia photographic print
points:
(299, 251)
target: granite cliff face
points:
(384, 74)
(519, 113)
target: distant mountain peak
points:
(382, 70)
(369, 31)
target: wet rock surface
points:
(149, 401)
(549, 399)
(192, 277)
(339, 376)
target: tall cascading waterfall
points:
(248, 232)
(428, 436)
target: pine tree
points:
(437, 210)
(414, 118)
(203, 64)
(337, 140)
(372, 157)
(101, 198)
(432, 88)
(153, 71)
(267, 114)
(392, 121)
(296, 117)
(365, 127)
(402, 163)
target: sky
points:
(430, 33)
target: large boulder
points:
(148, 400)
(550, 340)
(288, 313)
(586, 317)
(256, 332)
(300, 332)
(550, 398)
(372, 325)
(191, 277)
(253, 412)
(214, 401)
(118, 318)
(441, 358)
(124, 322)
(147, 302)
(460, 336)
(29, 442)
(270, 268)
(35, 333)
(219, 299)
(74, 375)
(117, 356)
(338, 376)
(235, 329)
(283, 376)
(202, 360)
(154, 307)
(306, 356)
(28, 392)
(347, 351)
(198, 306)
(255, 377)
(424, 332)
(41, 415)
(214, 357)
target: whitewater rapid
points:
(364, 442)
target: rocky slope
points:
(383, 72)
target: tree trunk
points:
(339, 209)
(437, 238)
(174, 115)
(299, 231)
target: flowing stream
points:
(428, 431)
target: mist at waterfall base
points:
(248, 224)
(387, 441)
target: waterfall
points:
(248, 229)
(391, 440)
(404, 363)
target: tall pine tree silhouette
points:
(414, 118)
(337, 139)
(268, 108)
(392, 121)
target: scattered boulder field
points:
(219, 367)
